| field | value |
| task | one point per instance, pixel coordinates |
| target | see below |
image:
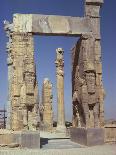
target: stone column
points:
(60, 89)
(47, 104)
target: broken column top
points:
(59, 49)
(93, 2)
(59, 52)
(47, 81)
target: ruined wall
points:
(47, 105)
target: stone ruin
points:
(87, 87)
(47, 116)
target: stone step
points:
(57, 141)
(53, 135)
(59, 144)
(58, 147)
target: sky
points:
(45, 48)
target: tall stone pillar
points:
(92, 12)
(89, 94)
(47, 105)
(60, 90)
(24, 87)
(9, 30)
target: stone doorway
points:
(45, 47)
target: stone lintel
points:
(50, 24)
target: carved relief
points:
(86, 90)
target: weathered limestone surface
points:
(87, 87)
(50, 25)
(23, 84)
(94, 18)
(60, 89)
(47, 105)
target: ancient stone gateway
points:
(87, 86)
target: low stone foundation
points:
(110, 133)
(22, 139)
(88, 137)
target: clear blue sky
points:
(45, 47)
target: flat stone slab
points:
(87, 137)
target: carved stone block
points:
(28, 139)
(88, 137)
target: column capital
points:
(59, 52)
(59, 57)
(94, 2)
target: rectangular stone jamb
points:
(50, 24)
(87, 137)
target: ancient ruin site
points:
(56, 116)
